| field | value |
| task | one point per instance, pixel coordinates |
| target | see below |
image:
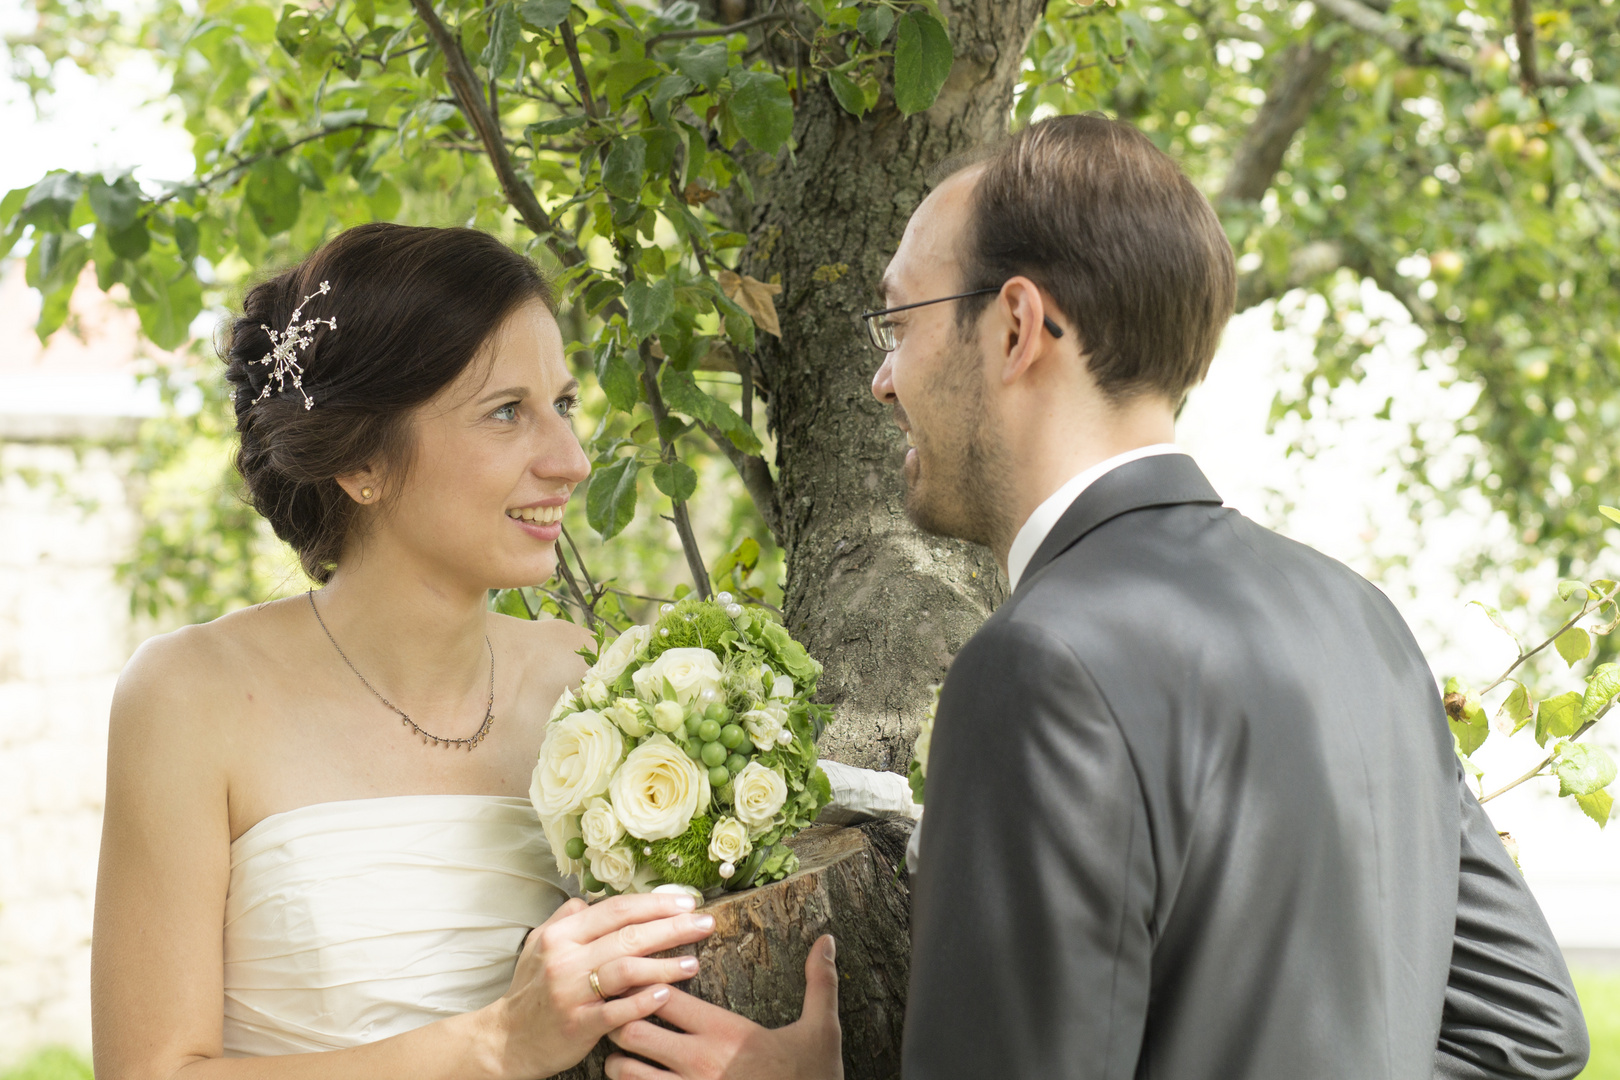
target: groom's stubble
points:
(960, 483)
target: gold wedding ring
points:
(596, 984)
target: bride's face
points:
(495, 459)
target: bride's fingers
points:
(620, 911)
(623, 974)
(619, 1067)
(569, 908)
(620, 1011)
(639, 939)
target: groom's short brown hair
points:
(1092, 212)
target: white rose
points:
(576, 761)
(615, 867)
(629, 715)
(595, 691)
(674, 889)
(765, 724)
(758, 793)
(782, 687)
(560, 830)
(599, 826)
(566, 703)
(620, 652)
(729, 842)
(659, 790)
(688, 671)
(667, 716)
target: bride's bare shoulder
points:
(550, 644)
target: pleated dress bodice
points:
(348, 922)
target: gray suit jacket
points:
(1193, 812)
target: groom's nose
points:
(883, 381)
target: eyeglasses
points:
(881, 330)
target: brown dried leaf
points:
(754, 297)
(696, 194)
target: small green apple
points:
(1505, 140)
(1445, 266)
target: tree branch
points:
(1411, 47)
(1302, 72)
(571, 46)
(459, 74)
(1524, 35)
(756, 477)
(682, 520)
(721, 31)
(248, 162)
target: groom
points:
(1193, 808)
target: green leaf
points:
(50, 202)
(1473, 728)
(1601, 687)
(1558, 717)
(56, 260)
(503, 37)
(558, 126)
(649, 305)
(1516, 711)
(667, 90)
(922, 62)
(544, 14)
(130, 243)
(1581, 768)
(1572, 590)
(116, 204)
(1611, 513)
(617, 378)
(675, 479)
(168, 309)
(625, 165)
(1496, 617)
(875, 23)
(610, 502)
(1599, 806)
(186, 238)
(624, 76)
(510, 602)
(706, 64)
(1468, 764)
(762, 108)
(850, 97)
(273, 195)
(681, 394)
(1573, 644)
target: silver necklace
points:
(469, 742)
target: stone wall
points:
(65, 631)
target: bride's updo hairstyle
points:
(413, 308)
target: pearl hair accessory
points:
(284, 348)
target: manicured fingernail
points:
(686, 903)
(661, 993)
(830, 949)
(689, 964)
(703, 922)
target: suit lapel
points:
(1163, 480)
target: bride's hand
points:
(551, 1017)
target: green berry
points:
(694, 749)
(719, 776)
(708, 731)
(713, 754)
(589, 882)
(736, 763)
(694, 722)
(718, 713)
(575, 848)
(732, 736)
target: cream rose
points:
(688, 671)
(757, 793)
(566, 703)
(667, 716)
(620, 652)
(560, 830)
(629, 714)
(599, 826)
(595, 691)
(576, 761)
(659, 790)
(729, 842)
(782, 688)
(615, 867)
(765, 724)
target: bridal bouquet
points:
(687, 754)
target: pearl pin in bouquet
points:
(686, 756)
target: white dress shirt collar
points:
(1046, 515)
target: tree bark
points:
(882, 605)
(849, 884)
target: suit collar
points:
(1166, 480)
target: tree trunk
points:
(850, 885)
(882, 605)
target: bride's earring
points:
(365, 494)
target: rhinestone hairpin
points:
(285, 346)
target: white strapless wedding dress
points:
(348, 922)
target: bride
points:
(316, 808)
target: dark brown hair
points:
(1092, 212)
(413, 306)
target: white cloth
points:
(348, 922)
(863, 794)
(1046, 515)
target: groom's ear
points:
(1021, 339)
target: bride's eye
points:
(506, 413)
(566, 405)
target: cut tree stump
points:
(851, 884)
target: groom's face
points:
(936, 378)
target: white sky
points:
(1343, 500)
